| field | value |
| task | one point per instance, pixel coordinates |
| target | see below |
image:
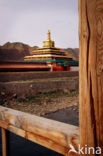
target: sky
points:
(28, 21)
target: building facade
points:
(55, 58)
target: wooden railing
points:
(49, 133)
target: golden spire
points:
(48, 43)
(48, 36)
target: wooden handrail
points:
(49, 133)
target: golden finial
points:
(48, 36)
(48, 43)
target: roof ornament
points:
(48, 36)
(48, 43)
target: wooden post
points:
(3, 133)
(91, 72)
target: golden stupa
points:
(48, 52)
(48, 43)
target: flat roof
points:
(48, 55)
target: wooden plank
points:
(47, 143)
(38, 139)
(91, 72)
(3, 133)
(51, 134)
(3, 124)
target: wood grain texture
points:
(3, 133)
(49, 133)
(91, 72)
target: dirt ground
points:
(41, 104)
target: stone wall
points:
(16, 76)
(30, 88)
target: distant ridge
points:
(74, 52)
(16, 51)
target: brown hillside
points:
(73, 52)
(16, 51)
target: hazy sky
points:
(28, 21)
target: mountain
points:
(16, 51)
(73, 52)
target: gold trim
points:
(50, 50)
(47, 56)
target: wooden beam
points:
(49, 133)
(3, 133)
(91, 72)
